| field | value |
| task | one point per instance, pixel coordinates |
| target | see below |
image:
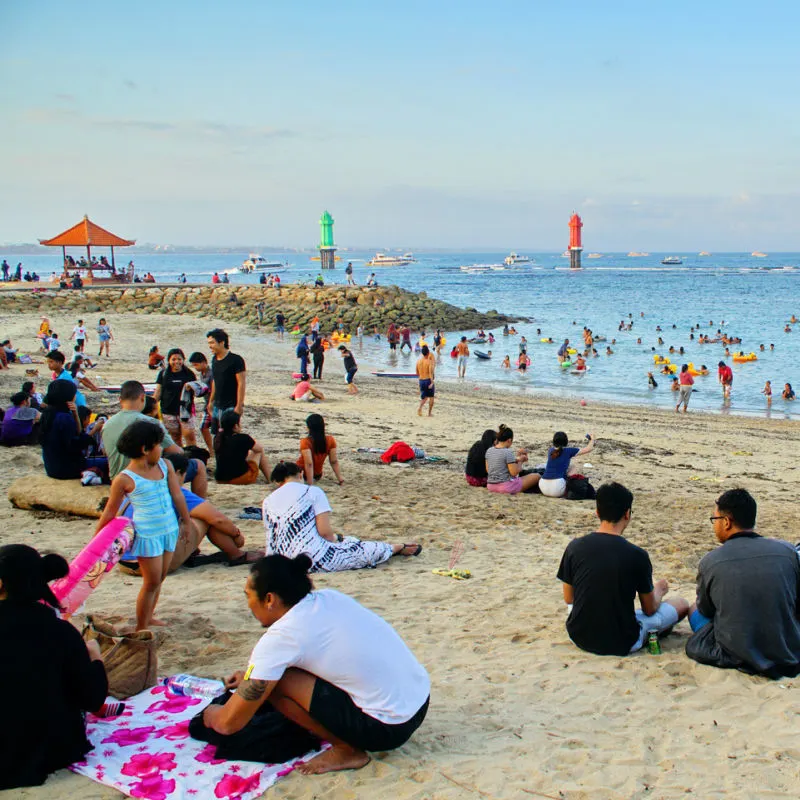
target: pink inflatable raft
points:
(90, 565)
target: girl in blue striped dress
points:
(158, 504)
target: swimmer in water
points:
(580, 364)
(793, 319)
(651, 381)
(609, 351)
(787, 329)
(674, 386)
(767, 392)
(788, 392)
(506, 363)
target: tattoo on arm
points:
(252, 690)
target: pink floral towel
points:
(147, 752)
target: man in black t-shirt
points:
(229, 373)
(602, 573)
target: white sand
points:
(517, 710)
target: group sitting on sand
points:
(330, 667)
(491, 463)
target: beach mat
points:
(147, 752)
(40, 493)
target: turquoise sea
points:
(754, 296)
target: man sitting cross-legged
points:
(602, 573)
(747, 614)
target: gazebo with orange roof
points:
(87, 234)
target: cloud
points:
(191, 129)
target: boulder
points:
(40, 493)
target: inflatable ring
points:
(660, 360)
(90, 565)
(566, 364)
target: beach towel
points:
(147, 752)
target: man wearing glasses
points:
(746, 614)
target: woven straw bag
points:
(131, 660)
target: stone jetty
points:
(354, 306)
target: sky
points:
(667, 126)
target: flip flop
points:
(415, 553)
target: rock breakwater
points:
(353, 306)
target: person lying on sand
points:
(602, 573)
(207, 521)
(339, 643)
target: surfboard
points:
(394, 374)
(149, 388)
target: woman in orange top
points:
(315, 448)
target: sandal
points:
(415, 553)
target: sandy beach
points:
(516, 709)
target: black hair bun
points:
(302, 563)
(54, 567)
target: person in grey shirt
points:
(746, 614)
(503, 466)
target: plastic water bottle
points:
(191, 686)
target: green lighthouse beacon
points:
(327, 249)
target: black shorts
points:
(335, 710)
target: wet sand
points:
(517, 710)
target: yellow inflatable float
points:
(741, 358)
(660, 360)
(340, 337)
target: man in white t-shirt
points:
(329, 665)
(80, 335)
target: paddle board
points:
(394, 374)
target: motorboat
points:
(704, 253)
(513, 258)
(257, 263)
(671, 260)
(758, 254)
(383, 260)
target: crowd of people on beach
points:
(326, 663)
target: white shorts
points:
(553, 487)
(461, 360)
(662, 620)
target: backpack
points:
(302, 350)
(579, 488)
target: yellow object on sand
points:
(456, 574)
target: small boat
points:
(594, 255)
(256, 263)
(634, 254)
(671, 260)
(149, 388)
(382, 374)
(513, 258)
(758, 254)
(383, 260)
(703, 253)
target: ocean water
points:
(755, 297)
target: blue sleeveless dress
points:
(153, 515)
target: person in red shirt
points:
(725, 375)
(686, 382)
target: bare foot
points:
(157, 623)
(419, 413)
(335, 759)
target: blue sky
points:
(668, 126)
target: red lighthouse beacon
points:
(575, 247)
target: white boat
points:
(410, 258)
(513, 258)
(635, 254)
(256, 263)
(671, 260)
(594, 255)
(704, 253)
(758, 254)
(383, 260)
